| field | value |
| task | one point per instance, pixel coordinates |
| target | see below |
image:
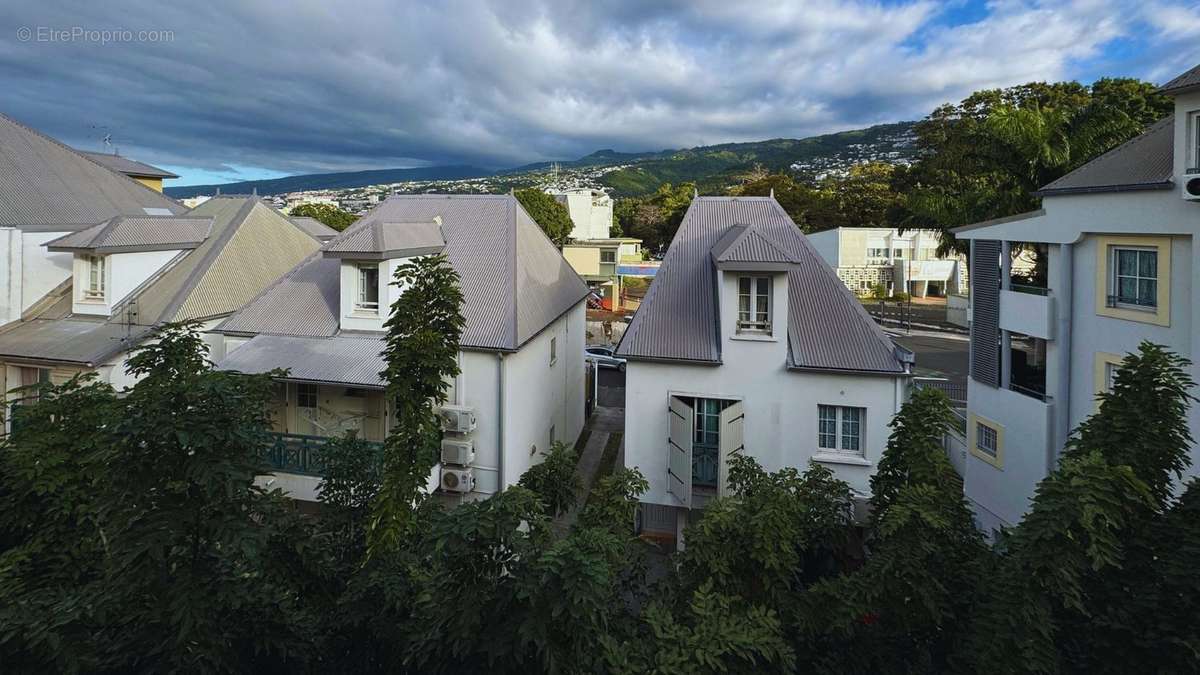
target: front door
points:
(706, 442)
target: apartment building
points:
(1119, 235)
(867, 257)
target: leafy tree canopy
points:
(548, 213)
(327, 214)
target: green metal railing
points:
(300, 454)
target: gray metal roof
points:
(129, 167)
(352, 360)
(749, 245)
(514, 281)
(125, 234)
(46, 185)
(379, 240)
(1185, 81)
(315, 228)
(249, 247)
(828, 329)
(1142, 163)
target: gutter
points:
(500, 421)
(1128, 187)
(1066, 297)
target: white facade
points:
(591, 213)
(1082, 328)
(29, 271)
(908, 262)
(117, 274)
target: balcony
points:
(301, 455)
(1028, 310)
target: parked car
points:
(605, 358)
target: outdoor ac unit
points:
(1191, 187)
(457, 480)
(458, 419)
(458, 452)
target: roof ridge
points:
(202, 267)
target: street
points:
(938, 355)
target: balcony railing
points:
(1031, 290)
(300, 454)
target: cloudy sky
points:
(227, 90)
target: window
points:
(877, 253)
(839, 429)
(1195, 128)
(608, 256)
(898, 253)
(754, 304)
(1110, 375)
(306, 396)
(553, 350)
(368, 289)
(94, 288)
(986, 440)
(1134, 277)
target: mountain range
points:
(631, 173)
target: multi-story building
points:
(522, 350)
(1123, 266)
(748, 343)
(591, 212)
(129, 274)
(869, 257)
(591, 252)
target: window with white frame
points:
(1110, 375)
(367, 299)
(754, 304)
(306, 396)
(93, 288)
(840, 429)
(1194, 127)
(897, 253)
(877, 253)
(608, 256)
(553, 350)
(986, 439)
(1134, 277)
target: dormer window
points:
(754, 304)
(94, 282)
(368, 288)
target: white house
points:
(865, 257)
(747, 342)
(129, 274)
(1123, 267)
(522, 381)
(48, 190)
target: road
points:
(937, 355)
(612, 388)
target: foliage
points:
(143, 544)
(423, 334)
(326, 213)
(862, 197)
(350, 483)
(554, 480)
(548, 213)
(655, 218)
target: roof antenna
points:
(772, 193)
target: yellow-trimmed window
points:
(986, 440)
(1133, 279)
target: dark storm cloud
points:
(308, 86)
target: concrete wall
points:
(585, 260)
(27, 270)
(123, 273)
(1004, 487)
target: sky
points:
(227, 90)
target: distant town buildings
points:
(867, 258)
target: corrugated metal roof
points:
(315, 228)
(748, 244)
(1185, 81)
(828, 328)
(379, 240)
(129, 167)
(344, 359)
(43, 183)
(1146, 162)
(70, 340)
(137, 233)
(514, 281)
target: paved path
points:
(604, 422)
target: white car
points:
(605, 357)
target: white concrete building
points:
(747, 343)
(522, 381)
(1123, 267)
(591, 212)
(865, 257)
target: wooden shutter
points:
(679, 449)
(985, 312)
(732, 419)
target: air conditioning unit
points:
(457, 480)
(1191, 186)
(455, 451)
(458, 419)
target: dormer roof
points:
(1185, 82)
(382, 240)
(747, 248)
(131, 234)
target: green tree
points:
(656, 217)
(553, 479)
(423, 335)
(548, 213)
(327, 214)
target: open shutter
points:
(679, 449)
(732, 419)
